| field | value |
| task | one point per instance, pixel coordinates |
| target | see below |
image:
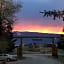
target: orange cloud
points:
(31, 27)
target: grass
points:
(61, 58)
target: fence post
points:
(54, 49)
(19, 50)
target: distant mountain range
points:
(36, 40)
(35, 34)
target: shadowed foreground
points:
(36, 59)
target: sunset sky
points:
(29, 18)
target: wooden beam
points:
(34, 37)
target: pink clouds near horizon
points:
(28, 25)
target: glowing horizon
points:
(30, 27)
(39, 31)
(44, 31)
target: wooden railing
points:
(54, 48)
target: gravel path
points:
(36, 59)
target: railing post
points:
(21, 47)
(54, 49)
(19, 50)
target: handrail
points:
(34, 37)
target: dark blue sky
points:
(31, 8)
